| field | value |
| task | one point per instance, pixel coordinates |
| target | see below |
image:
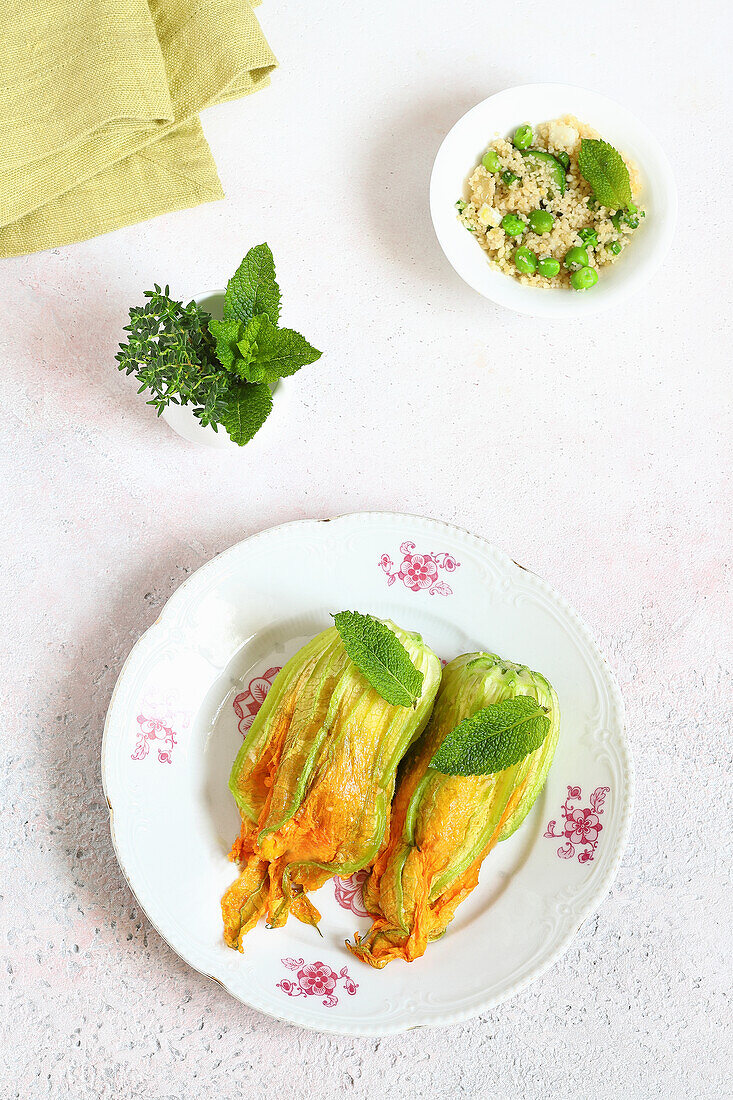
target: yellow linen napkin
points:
(98, 110)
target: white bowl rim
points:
(493, 284)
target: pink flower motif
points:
(598, 798)
(154, 730)
(317, 980)
(259, 688)
(247, 703)
(348, 892)
(418, 572)
(288, 987)
(349, 984)
(447, 562)
(582, 827)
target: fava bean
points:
(584, 278)
(525, 261)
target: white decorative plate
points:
(192, 685)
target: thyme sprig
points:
(172, 353)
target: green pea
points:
(564, 160)
(509, 177)
(523, 136)
(615, 247)
(525, 261)
(512, 225)
(575, 258)
(584, 278)
(548, 267)
(541, 221)
(490, 160)
(589, 237)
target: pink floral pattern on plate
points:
(581, 827)
(248, 702)
(419, 572)
(159, 724)
(150, 730)
(316, 979)
(348, 892)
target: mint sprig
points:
(273, 353)
(605, 170)
(494, 738)
(260, 351)
(381, 657)
(249, 343)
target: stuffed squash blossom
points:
(443, 826)
(314, 779)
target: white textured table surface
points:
(593, 453)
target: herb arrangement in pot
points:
(222, 371)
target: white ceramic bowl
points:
(498, 116)
(180, 417)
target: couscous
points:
(535, 204)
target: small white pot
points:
(180, 417)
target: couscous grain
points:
(530, 208)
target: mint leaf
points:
(246, 410)
(246, 346)
(274, 352)
(494, 738)
(226, 334)
(604, 169)
(381, 657)
(253, 289)
(260, 351)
